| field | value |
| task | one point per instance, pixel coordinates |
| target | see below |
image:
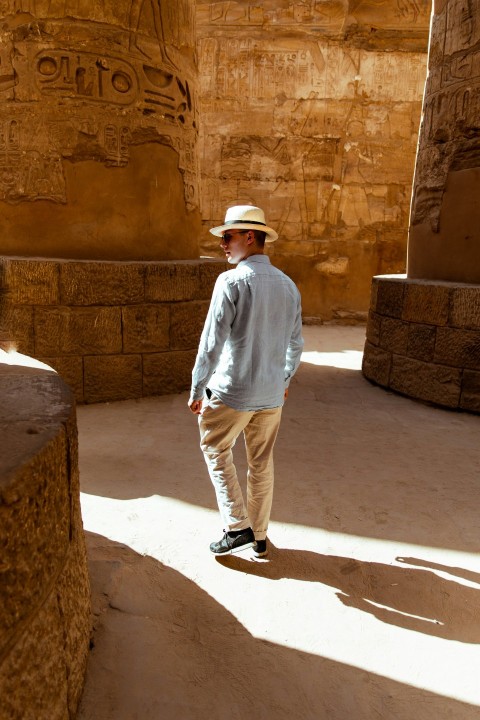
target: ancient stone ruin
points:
(423, 335)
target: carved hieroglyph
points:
(444, 239)
(311, 110)
(83, 80)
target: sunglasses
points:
(228, 236)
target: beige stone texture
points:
(426, 381)
(465, 309)
(389, 297)
(99, 121)
(77, 330)
(186, 323)
(445, 211)
(90, 283)
(426, 303)
(311, 112)
(376, 364)
(112, 377)
(470, 398)
(421, 341)
(394, 335)
(145, 328)
(159, 308)
(166, 373)
(70, 369)
(45, 619)
(31, 284)
(460, 348)
(373, 328)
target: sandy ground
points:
(368, 606)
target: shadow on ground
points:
(173, 652)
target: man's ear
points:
(250, 237)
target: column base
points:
(423, 340)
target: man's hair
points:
(259, 237)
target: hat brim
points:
(271, 235)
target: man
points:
(250, 348)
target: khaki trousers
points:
(220, 427)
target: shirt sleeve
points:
(295, 346)
(216, 330)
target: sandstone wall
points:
(45, 609)
(98, 129)
(310, 110)
(113, 330)
(423, 340)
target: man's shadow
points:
(408, 597)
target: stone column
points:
(98, 129)
(444, 240)
(423, 333)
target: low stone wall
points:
(423, 340)
(113, 330)
(45, 595)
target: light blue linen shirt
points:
(252, 342)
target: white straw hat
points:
(245, 217)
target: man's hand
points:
(196, 407)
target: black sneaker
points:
(260, 548)
(233, 542)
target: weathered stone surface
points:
(376, 364)
(93, 283)
(426, 303)
(31, 283)
(77, 331)
(186, 323)
(460, 348)
(145, 328)
(470, 397)
(100, 122)
(373, 328)
(389, 297)
(165, 282)
(426, 381)
(394, 335)
(45, 610)
(167, 372)
(209, 271)
(112, 377)
(317, 125)
(421, 342)
(465, 310)
(70, 368)
(18, 329)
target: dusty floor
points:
(368, 607)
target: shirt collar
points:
(254, 258)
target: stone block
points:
(77, 331)
(465, 309)
(165, 373)
(394, 335)
(470, 397)
(101, 283)
(17, 329)
(172, 282)
(112, 377)
(376, 364)
(70, 368)
(373, 294)
(421, 342)
(389, 297)
(460, 348)
(186, 324)
(426, 381)
(209, 272)
(31, 282)
(145, 328)
(426, 303)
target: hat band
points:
(246, 222)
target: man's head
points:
(244, 232)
